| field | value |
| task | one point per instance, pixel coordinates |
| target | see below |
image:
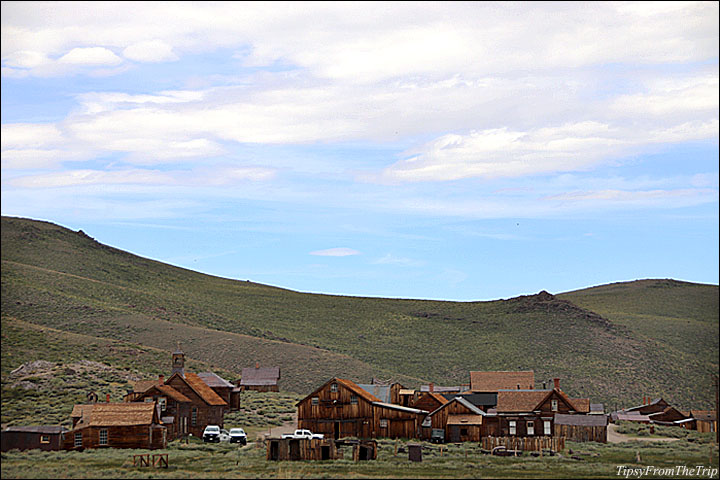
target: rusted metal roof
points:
(44, 429)
(520, 400)
(581, 420)
(380, 391)
(436, 388)
(214, 380)
(359, 391)
(495, 381)
(704, 415)
(597, 408)
(629, 417)
(464, 419)
(260, 376)
(201, 388)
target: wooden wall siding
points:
(576, 433)
(706, 426)
(135, 436)
(426, 402)
(261, 388)
(301, 449)
(521, 421)
(439, 419)
(563, 407)
(30, 440)
(463, 433)
(400, 424)
(206, 414)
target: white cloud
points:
(150, 51)
(90, 56)
(335, 252)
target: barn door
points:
(336, 430)
(294, 449)
(454, 433)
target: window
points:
(513, 429)
(78, 440)
(531, 428)
(333, 387)
(149, 399)
(554, 405)
(316, 400)
(103, 436)
(383, 423)
(162, 401)
(353, 400)
(44, 438)
(547, 427)
(193, 420)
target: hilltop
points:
(62, 291)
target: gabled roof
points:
(475, 410)
(170, 392)
(582, 405)
(437, 397)
(495, 381)
(118, 414)
(352, 386)
(199, 387)
(260, 376)
(214, 380)
(142, 385)
(520, 400)
(653, 402)
(80, 409)
(581, 420)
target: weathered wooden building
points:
(581, 428)
(186, 402)
(319, 449)
(261, 379)
(705, 420)
(429, 401)
(459, 419)
(116, 425)
(42, 437)
(340, 408)
(527, 413)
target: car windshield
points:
(212, 429)
(237, 431)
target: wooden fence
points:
(555, 444)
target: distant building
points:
(263, 379)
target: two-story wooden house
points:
(340, 408)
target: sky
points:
(430, 150)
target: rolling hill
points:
(63, 291)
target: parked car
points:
(302, 433)
(237, 435)
(437, 435)
(213, 433)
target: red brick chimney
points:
(432, 387)
(556, 381)
(161, 379)
(107, 398)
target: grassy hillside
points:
(615, 343)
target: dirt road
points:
(614, 437)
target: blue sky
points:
(456, 151)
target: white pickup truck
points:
(303, 434)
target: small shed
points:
(319, 449)
(263, 379)
(42, 437)
(581, 428)
(705, 420)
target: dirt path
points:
(287, 427)
(614, 437)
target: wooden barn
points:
(316, 449)
(116, 425)
(42, 437)
(340, 408)
(581, 428)
(459, 419)
(263, 379)
(429, 401)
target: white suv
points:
(213, 433)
